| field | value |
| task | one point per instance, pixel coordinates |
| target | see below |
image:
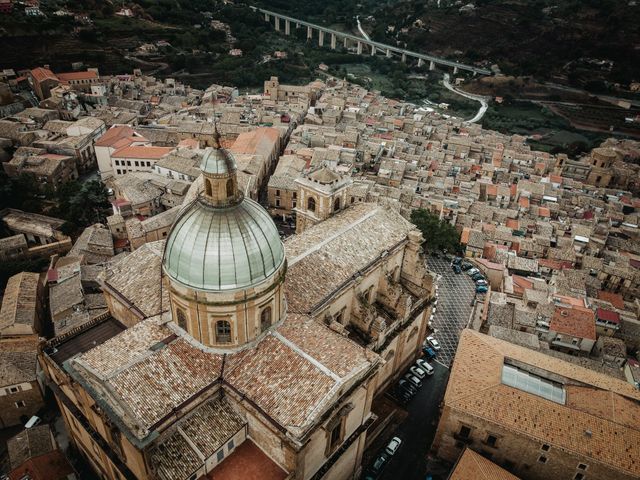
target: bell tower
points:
(321, 193)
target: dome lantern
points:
(220, 176)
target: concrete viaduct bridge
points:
(374, 47)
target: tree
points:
(81, 205)
(438, 234)
(22, 192)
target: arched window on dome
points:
(208, 189)
(336, 204)
(181, 318)
(265, 318)
(311, 204)
(230, 188)
(223, 331)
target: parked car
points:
(418, 372)
(482, 283)
(429, 352)
(465, 266)
(393, 446)
(424, 365)
(433, 343)
(403, 396)
(481, 289)
(456, 268)
(408, 387)
(457, 260)
(472, 271)
(413, 379)
(477, 276)
(33, 422)
(379, 463)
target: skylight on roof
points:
(530, 383)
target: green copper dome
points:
(218, 161)
(220, 249)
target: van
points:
(33, 422)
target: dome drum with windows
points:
(224, 261)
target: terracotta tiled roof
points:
(50, 466)
(41, 74)
(260, 141)
(606, 430)
(320, 261)
(144, 152)
(247, 462)
(574, 322)
(614, 299)
(292, 374)
(87, 75)
(115, 134)
(18, 312)
(473, 466)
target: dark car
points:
(407, 386)
(429, 352)
(379, 463)
(477, 276)
(457, 260)
(481, 289)
(457, 269)
(403, 396)
(465, 266)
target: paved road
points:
(418, 429)
(362, 32)
(484, 104)
(455, 294)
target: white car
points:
(424, 365)
(418, 372)
(482, 282)
(472, 271)
(413, 379)
(393, 446)
(433, 343)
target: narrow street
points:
(418, 429)
(420, 420)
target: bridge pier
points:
(345, 43)
(404, 58)
(388, 53)
(266, 17)
(432, 65)
(287, 27)
(359, 48)
(373, 50)
(320, 38)
(277, 24)
(297, 25)
(420, 62)
(333, 41)
(309, 33)
(455, 70)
